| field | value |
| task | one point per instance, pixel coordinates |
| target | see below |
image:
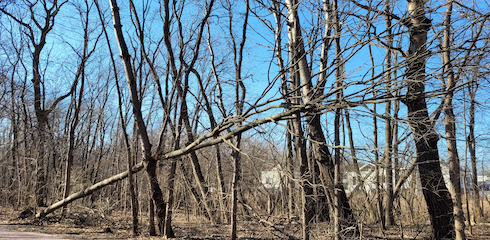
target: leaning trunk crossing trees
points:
(199, 143)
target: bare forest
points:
(261, 119)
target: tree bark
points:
(388, 126)
(148, 160)
(436, 195)
(240, 93)
(472, 87)
(450, 124)
(322, 155)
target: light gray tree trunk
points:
(450, 124)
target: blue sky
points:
(260, 68)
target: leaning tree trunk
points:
(320, 150)
(207, 140)
(134, 199)
(148, 160)
(436, 195)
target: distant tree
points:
(37, 27)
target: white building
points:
(272, 178)
(368, 176)
(351, 179)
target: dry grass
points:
(83, 223)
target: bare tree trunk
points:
(359, 177)
(472, 88)
(322, 155)
(396, 141)
(71, 140)
(219, 170)
(337, 178)
(240, 92)
(14, 119)
(379, 199)
(388, 128)
(338, 114)
(436, 195)
(234, 191)
(134, 199)
(182, 88)
(148, 160)
(290, 173)
(300, 149)
(77, 104)
(450, 124)
(26, 153)
(129, 156)
(276, 8)
(151, 223)
(168, 232)
(221, 185)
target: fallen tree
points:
(197, 144)
(204, 141)
(88, 191)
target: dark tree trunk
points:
(435, 192)
(472, 87)
(389, 218)
(321, 153)
(149, 162)
(156, 193)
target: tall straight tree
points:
(471, 141)
(450, 124)
(240, 93)
(77, 103)
(134, 199)
(389, 219)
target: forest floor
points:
(87, 224)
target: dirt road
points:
(8, 234)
